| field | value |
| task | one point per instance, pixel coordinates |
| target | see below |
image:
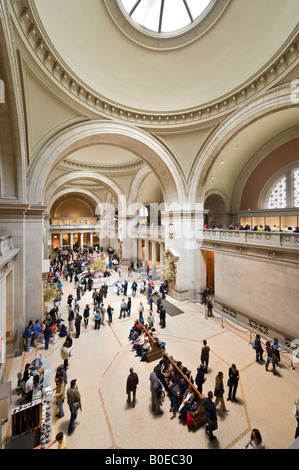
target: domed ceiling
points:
(245, 40)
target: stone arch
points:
(135, 140)
(272, 101)
(92, 198)
(75, 175)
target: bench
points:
(156, 351)
(199, 417)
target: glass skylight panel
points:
(196, 7)
(147, 14)
(164, 16)
(175, 16)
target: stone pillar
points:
(162, 249)
(81, 240)
(91, 240)
(61, 240)
(183, 232)
(139, 259)
(146, 254)
(154, 257)
(71, 240)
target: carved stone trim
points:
(35, 39)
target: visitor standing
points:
(74, 402)
(132, 382)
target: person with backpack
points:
(257, 345)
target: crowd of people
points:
(164, 379)
(255, 228)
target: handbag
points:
(76, 406)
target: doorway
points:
(210, 271)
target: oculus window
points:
(165, 16)
(165, 24)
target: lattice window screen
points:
(278, 195)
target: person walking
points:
(257, 345)
(219, 391)
(129, 306)
(86, 315)
(71, 319)
(47, 336)
(103, 312)
(205, 354)
(163, 317)
(156, 390)
(210, 307)
(210, 411)
(110, 311)
(233, 381)
(123, 307)
(78, 320)
(140, 311)
(64, 351)
(59, 395)
(74, 402)
(200, 377)
(132, 382)
(97, 318)
(271, 357)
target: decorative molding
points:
(102, 168)
(166, 41)
(25, 18)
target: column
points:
(154, 258)
(61, 240)
(81, 240)
(139, 259)
(161, 260)
(146, 254)
(91, 240)
(71, 241)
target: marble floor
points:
(101, 360)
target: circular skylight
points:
(165, 16)
(165, 24)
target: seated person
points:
(31, 383)
(173, 380)
(187, 402)
(63, 331)
(146, 349)
(177, 393)
(139, 343)
(26, 374)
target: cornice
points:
(26, 20)
(102, 168)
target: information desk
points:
(35, 417)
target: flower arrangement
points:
(98, 264)
(51, 293)
(169, 271)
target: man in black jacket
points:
(132, 382)
(210, 410)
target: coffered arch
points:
(53, 189)
(137, 141)
(276, 110)
(94, 200)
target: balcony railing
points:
(287, 240)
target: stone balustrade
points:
(287, 240)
